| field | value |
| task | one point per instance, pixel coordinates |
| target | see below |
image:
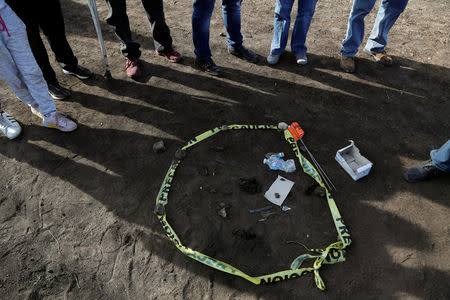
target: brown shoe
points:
(348, 64)
(381, 57)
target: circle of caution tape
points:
(332, 254)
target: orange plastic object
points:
(296, 131)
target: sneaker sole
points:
(74, 74)
(57, 97)
(45, 124)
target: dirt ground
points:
(76, 210)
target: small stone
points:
(227, 190)
(180, 154)
(224, 205)
(222, 212)
(282, 126)
(159, 147)
(203, 171)
(319, 191)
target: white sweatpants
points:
(17, 64)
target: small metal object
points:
(257, 210)
(285, 208)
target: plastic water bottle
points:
(276, 162)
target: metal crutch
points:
(94, 13)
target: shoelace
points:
(7, 117)
(3, 26)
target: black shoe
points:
(244, 53)
(208, 66)
(57, 92)
(422, 171)
(78, 71)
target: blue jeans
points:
(441, 157)
(282, 22)
(388, 13)
(201, 18)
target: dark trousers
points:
(47, 16)
(118, 19)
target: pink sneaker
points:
(58, 121)
(172, 55)
(133, 68)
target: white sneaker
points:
(9, 126)
(58, 121)
(301, 59)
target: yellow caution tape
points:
(332, 254)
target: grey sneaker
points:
(58, 121)
(9, 126)
(273, 59)
(301, 59)
(422, 171)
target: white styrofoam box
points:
(356, 165)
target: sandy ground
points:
(76, 210)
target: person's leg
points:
(388, 14)
(158, 26)
(51, 21)
(118, 19)
(305, 13)
(441, 157)
(28, 16)
(23, 73)
(355, 27)
(231, 12)
(282, 21)
(201, 18)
